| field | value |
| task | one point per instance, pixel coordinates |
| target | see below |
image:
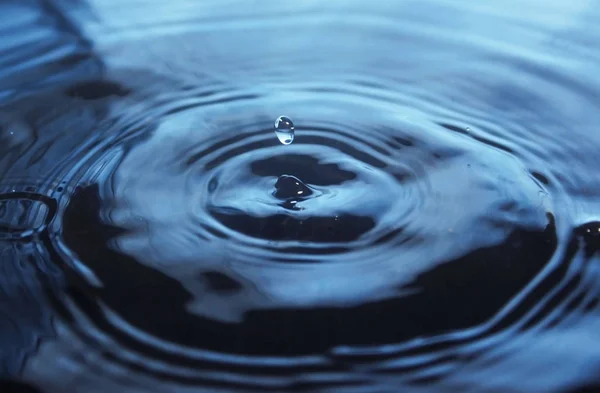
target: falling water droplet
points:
(284, 129)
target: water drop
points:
(284, 129)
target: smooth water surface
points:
(433, 227)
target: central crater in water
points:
(328, 199)
(368, 215)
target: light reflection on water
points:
(433, 226)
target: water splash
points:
(403, 248)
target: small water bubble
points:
(284, 129)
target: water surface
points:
(434, 225)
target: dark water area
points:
(434, 226)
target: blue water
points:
(433, 227)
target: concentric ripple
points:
(414, 219)
(431, 226)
